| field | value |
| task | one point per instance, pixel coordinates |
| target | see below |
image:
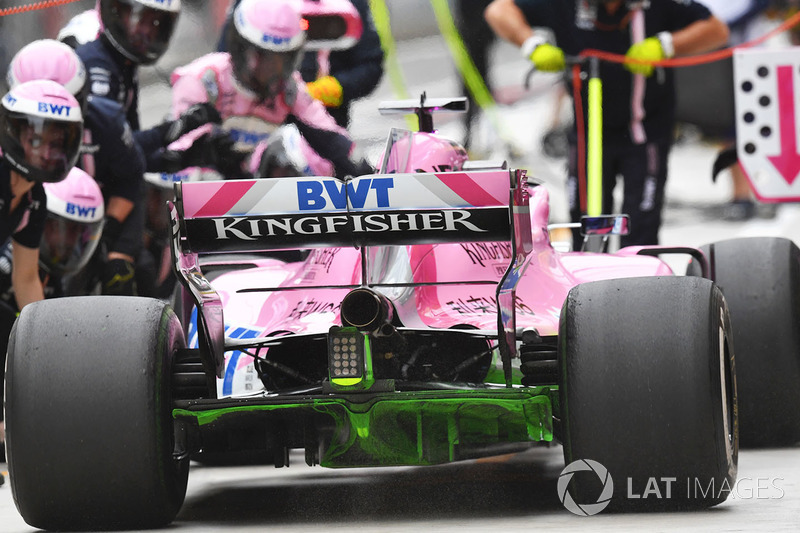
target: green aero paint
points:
(409, 428)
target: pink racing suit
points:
(210, 79)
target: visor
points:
(67, 245)
(263, 72)
(139, 32)
(41, 149)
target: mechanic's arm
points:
(508, 21)
(324, 135)
(700, 36)
(117, 212)
(25, 275)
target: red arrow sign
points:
(788, 161)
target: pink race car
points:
(431, 320)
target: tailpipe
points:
(368, 311)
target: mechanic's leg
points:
(644, 169)
(577, 189)
(478, 38)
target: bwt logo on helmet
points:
(311, 195)
(80, 210)
(273, 39)
(54, 109)
(10, 99)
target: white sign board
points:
(767, 97)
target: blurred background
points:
(522, 125)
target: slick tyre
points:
(90, 438)
(760, 278)
(647, 390)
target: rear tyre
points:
(90, 437)
(760, 278)
(647, 390)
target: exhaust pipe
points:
(368, 311)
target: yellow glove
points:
(548, 58)
(650, 50)
(327, 90)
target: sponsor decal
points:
(54, 109)
(323, 258)
(252, 228)
(81, 210)
(481, 252)
(298, 230)
(316, 195)
(481, 304)
(100, 88)
(313, 306)
(247, 137)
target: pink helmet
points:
(48, 59)
(74, 222)
(41, 127)
(265, 44)
(139, 29)
(421, 152)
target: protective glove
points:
(118, 278)
(650, 50)
(327, 90)
(214, 150)
(548, 58)
(191, 119)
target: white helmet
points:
(74, 223)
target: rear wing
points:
(217, 217)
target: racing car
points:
(431, 321)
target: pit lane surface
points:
(507, 493)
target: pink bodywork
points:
(313, 307)
(548, 278)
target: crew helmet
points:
(48, 59)
(41, 127)
(139, 29)
(265, 44)
(74, 222)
